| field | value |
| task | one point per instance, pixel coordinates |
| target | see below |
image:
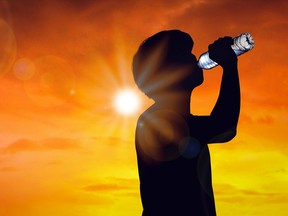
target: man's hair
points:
(155, 55)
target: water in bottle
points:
(242, 44)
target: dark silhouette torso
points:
(178, 186)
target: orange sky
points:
(65, 151)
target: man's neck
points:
(177, 102)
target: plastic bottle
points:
(242, 44)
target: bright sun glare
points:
(126, 102)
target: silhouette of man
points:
(171, 143)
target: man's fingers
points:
(225, 40)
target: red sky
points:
(64, 150)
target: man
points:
(171, 143)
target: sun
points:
(126, 102)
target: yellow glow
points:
(126, 102)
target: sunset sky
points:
(65, 151)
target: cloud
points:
(229, 193)
(23, 145)
(114, 185)
(265, 120)
(111, 140)
(277, 171)
(105, 187)
(259, 119)
(8, 169)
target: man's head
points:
(164, 63)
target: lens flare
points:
(24, 69)
(52, 82)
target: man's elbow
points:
(224, 137)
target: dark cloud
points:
(73, 20)
(76, 28)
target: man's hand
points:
(221, 52)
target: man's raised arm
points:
(226, 111)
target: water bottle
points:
(242, 44)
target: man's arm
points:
(224, 115)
